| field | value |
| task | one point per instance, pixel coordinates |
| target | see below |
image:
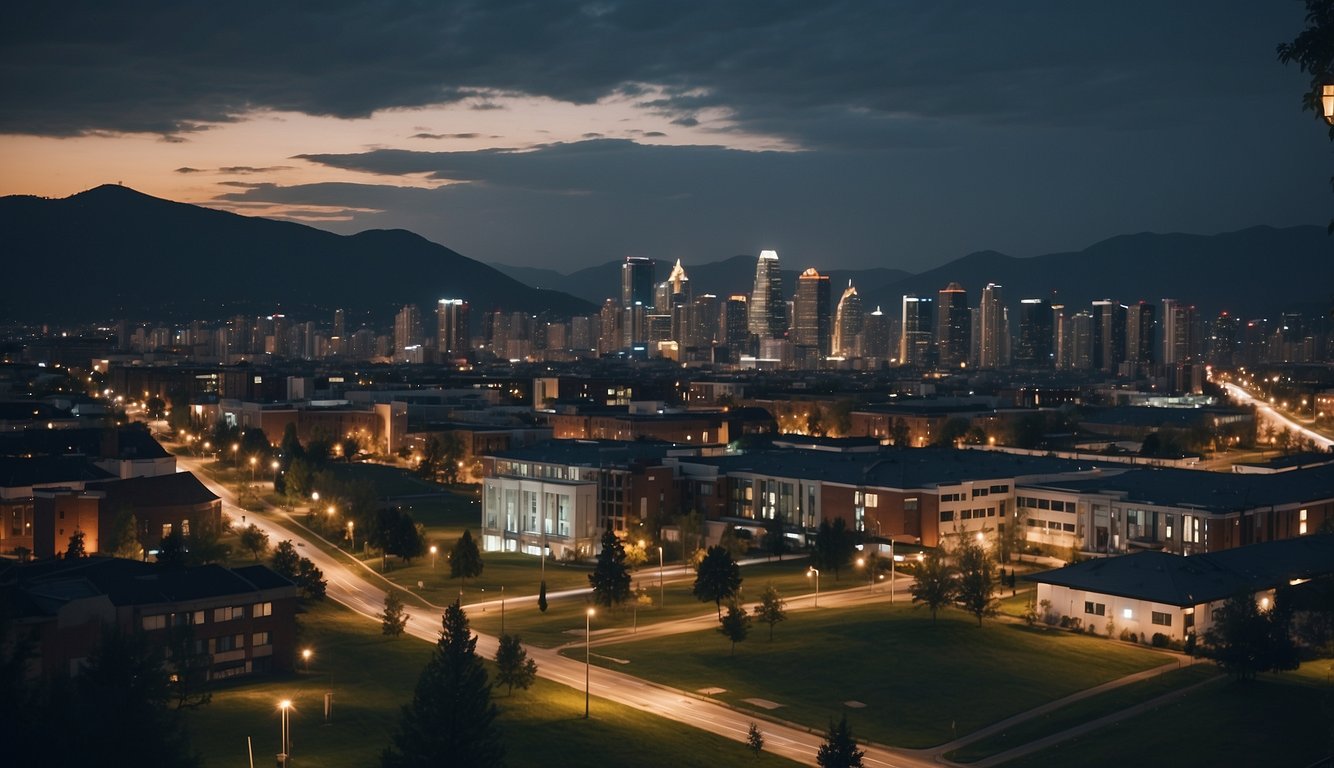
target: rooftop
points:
(1210, 491)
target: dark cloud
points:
(654, 134)
(444, 136)
(237, 170)
(169, 67)
(188, 169)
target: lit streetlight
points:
(284, 707)
(351, 533)
(660, 589)
(274, 466)
(434, 550)
(1327, 102)
(305, 658)
(588, 636)
(815, 571)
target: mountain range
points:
(113, 252)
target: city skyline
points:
(942, 131)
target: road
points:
(1267, 413)
(354, 587)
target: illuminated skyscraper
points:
(954, 326)
(915, 341)
(637, 274)
(1035, 334)
(810, 313)
(992, 340)
(768, 310)
(875, 336)
(1109, 335)
(848, 322)
(407, 329)
(1141, 333)
(451, 319)
(733, 331)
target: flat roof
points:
(1211, 491)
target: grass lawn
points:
(1017, 605)
(1276, 720)
(372, 676)
(1083, 711)
(913, 676)
(566, 615)
(389, 482)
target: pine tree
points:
(76, 549)
(610, 579)
(977, 580)
(542, 597)
(839, 749)
(513, 667)
(451, 720)
(394, 619)
(465, 561)
(755, 739)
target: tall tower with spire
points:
(848, 320)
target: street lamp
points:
(236, 448)
(254, 461)
(815, 571)
(660, 589)
(1327, 102)
(434, 550)
(588, 624)
(274, 466)
(305, 657)
(351, 533)
(283, 707)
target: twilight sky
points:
(847, 133)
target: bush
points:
(1160, 640)
(1125, 635)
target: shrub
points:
(1160, 640)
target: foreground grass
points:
(371, 676)
(912, 677)
(1083, 711)
(1276, 720)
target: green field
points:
(372, 676)
(1276, 720)
(914, 677)
(1083, 711)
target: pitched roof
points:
(176, 488)
(131, 582)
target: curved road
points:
(1266, 412)
(349, 586)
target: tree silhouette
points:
(393, 620)
(610, 578)
(977, 580)
(735, 625)
(451, 720)
(718, 578)
(935, 585)
(465, 561)
(839, 749)
(771, 609)
(513, 667)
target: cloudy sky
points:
(563, 134)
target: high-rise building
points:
(848, 321)
(1223, 340)
(609, 327)
(1181, 332)
(768, 310)
(915, 345)
(810, 313)
(1035, 334)
(407, 330)
(992, 343)
(703, 318)
(733, 323)
(1109, 335)
(1081, 341)
(338, 341)
(1060, 337)
(583, 334)
(451, 318)
(1141, 334)
(875, 336)
(637, 275)
(954, 326)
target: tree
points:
(952, 431)
(465, 561)
(899, 433)
(1314, 54)
(935, 585)
(451, 720)
(171, 550)
(718, 578)
(733, 541)
(311, 579)
(451, 457)
(255, 541)
(75, 549)
(542, 596)
(610, 578)
(204, 544)
(1245, 640)
(772, 608)
(190, 662)
(513, 667)
(394, 619)
(735, 625)
(286, 562)
(755, 739)
(834, 546)
(775, 538)
(125, 536)
(977, 580)
(839, 749)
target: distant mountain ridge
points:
(114, 252)
(1253, 272)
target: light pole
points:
(660, 589)
(305, 658)
(274, 466)
(254, 461)
(351, 533)
(869, 564)
(283, 707)
(815, 571)
(588, 635)
(502, 609)
(434, 550)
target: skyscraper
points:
(637, 274)
(733, 323)
(954, 326)
(1109, 335)
(810, 313)
(768, 311)
(1035, 334)
(407, 329)
(1141, 333)
(451, 319)
(704, 321)
(915, 341)
(1060, 335)
(992, 342)
(875, 336)
(1179, 332)
(848, 321)
(339, 339)
(1081, 341)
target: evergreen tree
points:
(735, 625)
(125, 536)
(542, 597)
(771, 609)
(513, 667)
(394, 619)
(451, 720)
(75, 549)
(718, 578)
(935, 586)
(464, 559)
(171, 550)
(834, 546)
(610, 578)
(1245, 640)
(755, 739)
(839, 749)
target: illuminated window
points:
(155, 622)
(258, 639)
(263, 609)
(1126, 613)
